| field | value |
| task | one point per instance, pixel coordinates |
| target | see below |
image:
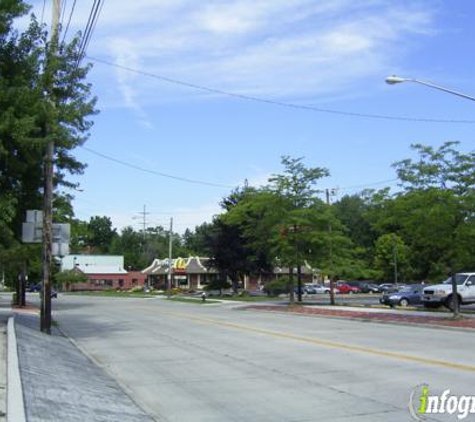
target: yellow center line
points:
(323, 343)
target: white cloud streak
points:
(273, 48)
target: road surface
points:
(191, 362)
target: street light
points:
(391, 80)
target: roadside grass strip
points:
(444, 321)
(197, 301)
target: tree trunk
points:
(299, 283)
(455, 298)
(291, 285)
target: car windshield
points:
(459, 279)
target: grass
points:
(111, 293)
(194, 301)
(249, 298)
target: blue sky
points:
(324, 54)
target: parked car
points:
(34, 288)
(54, 293)
(345, 288)
(316, 288)
(389, 288)
(369, 288)
(303, 290)
(441, 294)
(407, 295)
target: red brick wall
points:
(111, 281)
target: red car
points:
(344, 288)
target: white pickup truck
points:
(441, 294)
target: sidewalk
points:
(61, 384)
(3, 363)
(428, 319)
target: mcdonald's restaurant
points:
(193, 273)
(186, 273)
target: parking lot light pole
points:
(392, 80)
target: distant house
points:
(193, 273)
(103, 272)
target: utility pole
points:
(395, 262)
(48, 183)
(170, 266)
(144, 214)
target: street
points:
(191, 362)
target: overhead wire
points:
(69, 21)
(158, 173)
(63, 12)
(88, 31)
(98, 13)
(381, 182)
(43, 13)
(201, 182)
(278, 103)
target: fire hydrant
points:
(203, 296)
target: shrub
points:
(277, 287)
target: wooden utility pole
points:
(48, 182)
(170, 266)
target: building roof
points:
(70, 261)
(101, 269)
(190, 265)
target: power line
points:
(278, 103)
(201, 182)
(381, 182)
(69, 20)
(63, 11)
(96, 18)
(133, 166)
(43, 12)
(90, 26)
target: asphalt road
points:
(187, 362)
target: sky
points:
(284, 64)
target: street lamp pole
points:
(391, 80)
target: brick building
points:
(103, 272)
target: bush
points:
(175, 291)
(136, 289)
(218, 284)
(277, 287)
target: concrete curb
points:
(15, 403)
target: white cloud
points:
(271, 48)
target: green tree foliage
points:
(351, 211)
(100, 233)
(130, 244)
(436, 210)
(41, 99)
(392, 255)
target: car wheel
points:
(403, 302)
